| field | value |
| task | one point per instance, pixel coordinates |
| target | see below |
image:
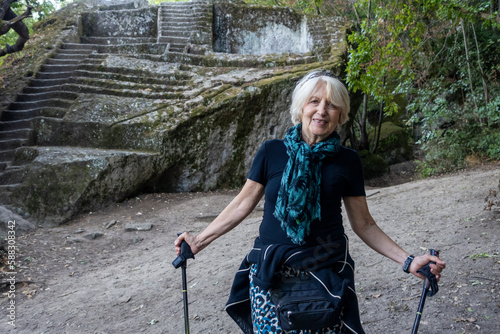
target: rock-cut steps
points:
(183, 23)
(41, 98)
(72, 70)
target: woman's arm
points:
(239, 208)
(365, 227)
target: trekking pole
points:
(181, 261)
(425, 291)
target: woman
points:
(304, 178)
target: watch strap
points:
(406, 265)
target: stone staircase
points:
(74, 69)
(43, 97)
(183, 23)
(77, 68)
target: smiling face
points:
(319, 116)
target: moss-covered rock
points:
(373, 165)
(394, 143)
(62, 181)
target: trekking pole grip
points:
(185, 254)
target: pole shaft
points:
(185, 297)
(420, 309)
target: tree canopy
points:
(16, 20)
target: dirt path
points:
(124, 281)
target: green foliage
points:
(305, 6)
(373, 165)
(444, 57)
(452, 132)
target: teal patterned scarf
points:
(298, 202)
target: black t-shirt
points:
(342, 176)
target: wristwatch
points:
(406, 266)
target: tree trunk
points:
(363, 134)
(485, 87)
(379, 127)
(346, 131)
(11, 20)
(468, 62)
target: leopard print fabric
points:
(264, 318)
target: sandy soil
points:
(123, 281)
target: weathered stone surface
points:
(10, 221)
(111, 224)
(62, 181)
(93, 235)
(139, 22)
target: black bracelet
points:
(406, 266)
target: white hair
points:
(336, 91)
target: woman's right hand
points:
(191, 240)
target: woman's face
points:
(319, 117)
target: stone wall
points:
(259, 30)
(141, 22)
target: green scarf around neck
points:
(298, 202)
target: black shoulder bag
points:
(302, 304)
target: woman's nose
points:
(322, 108)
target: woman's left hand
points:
(421, 261)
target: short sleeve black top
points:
(342, 175)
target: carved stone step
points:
(117, 40)
(24, 106)
(43, 89)
(179, 27)
(65, 61)
(66, 47)
(11, 144)
(176, 33)
(32, 97)
(67, 56)
(183, 13)
(165, 82)
(79, 52)
(126, 71)
(53, 75)
(12, 115)
(117, 89)
(173, 40)
(174, 19)
(47, 82)
(49, 68)
(15, 134)
(15, 125)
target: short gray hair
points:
(335, 89)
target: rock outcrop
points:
(132, 97)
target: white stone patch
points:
(276, 38)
